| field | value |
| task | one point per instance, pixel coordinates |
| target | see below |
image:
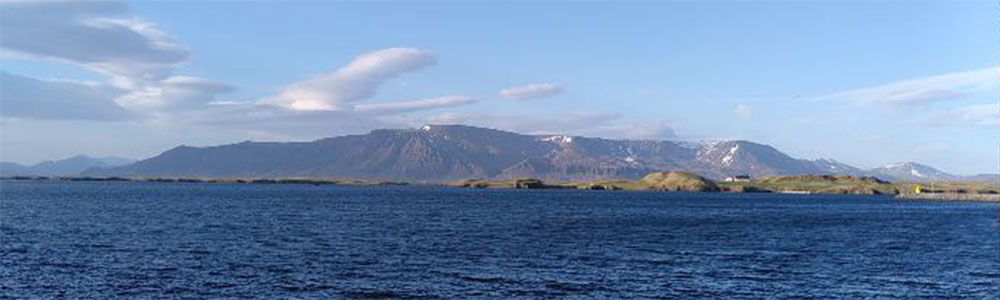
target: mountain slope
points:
(451, 152)
(64, 167)
(434, 153)
(747, 158)
(8, 168)
(913, 172)
(983, 178)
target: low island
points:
(788, 184)
(657, 181)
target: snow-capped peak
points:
(560, 139)
(897, 165)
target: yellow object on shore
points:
(916, 189)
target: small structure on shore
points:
(528, 183)
(737, 178)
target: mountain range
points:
(64, 167)
(435, 153)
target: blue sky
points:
(866, 83)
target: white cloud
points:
(134, 54)
(176, 92)
(923, 90)
(354, 82)
(432, 103)
(266, 120)
(745, 111)
(97, 35)
(530, 91)
(138, 60)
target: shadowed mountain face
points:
(64, 167)
(448, 152)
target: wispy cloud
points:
(134, 54)
(26, 97)
(398, 107)
(530, 91)
(175, 92)
(980, 114)
(138, 62)
(923, 90)
(356, 81)
(745, 111)
(974, 115)
(99, 35)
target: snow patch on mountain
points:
(728, 159)
(559, 139)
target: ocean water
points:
(160, 240)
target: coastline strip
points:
(950, 197)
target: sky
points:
(865, 83)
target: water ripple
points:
(150, 240)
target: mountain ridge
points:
(437, 153)
(74, 165)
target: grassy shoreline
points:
(663, 181)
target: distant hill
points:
(64, 167)
(436, 153)
(984, 177)
(914, 172)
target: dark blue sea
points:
(163, 240)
